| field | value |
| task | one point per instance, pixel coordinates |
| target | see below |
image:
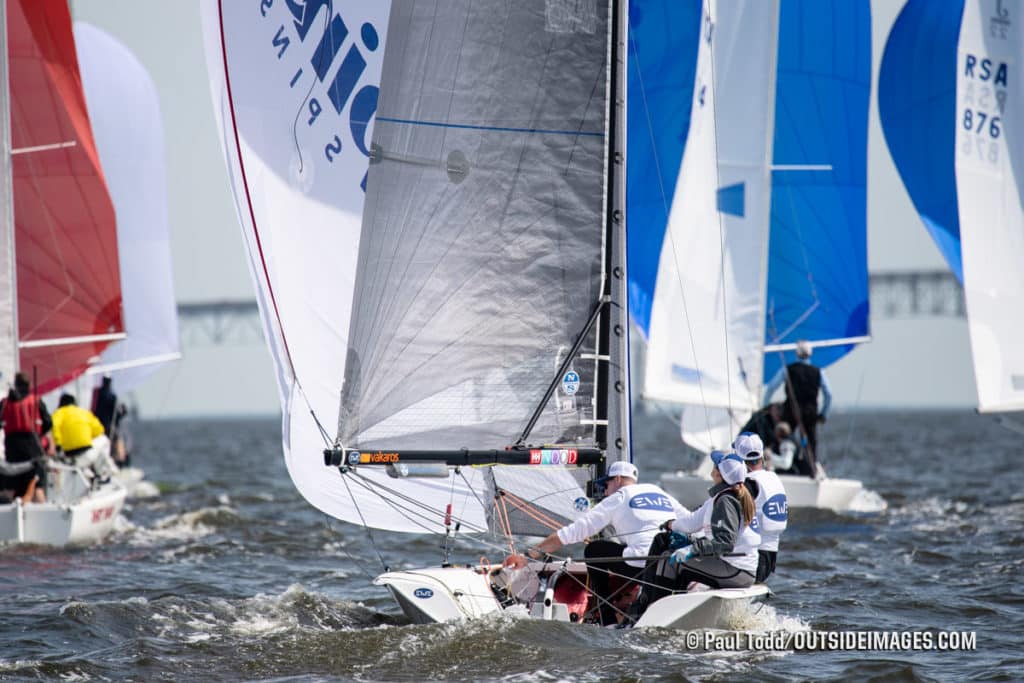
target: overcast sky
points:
(920, 362)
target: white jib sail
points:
(706, 337)
(124, 111)
(990, 191)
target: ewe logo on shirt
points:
(775, 508)
(651, 501)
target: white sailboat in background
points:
(61, 303)
(766, 239)
(950, 103)
(130, 143)
(464, 325)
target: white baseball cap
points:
(730, 466)
(749, 446)
(621, 468)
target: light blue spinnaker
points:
(917, 108)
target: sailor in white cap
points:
(634, 511)
(771, 506)
(719, 547)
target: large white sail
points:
(990, 192)
(435, 313)
(707, 318)
(130, 143)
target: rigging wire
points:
(369, 533)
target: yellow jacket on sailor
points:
(75, 427)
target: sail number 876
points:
(980, 122)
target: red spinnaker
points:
(68, 278)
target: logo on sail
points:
(571, 383)
(338, 100)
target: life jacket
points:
(744, 550)
(772, 508)
(22, 415)
(804, 382)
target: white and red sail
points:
(67, 306)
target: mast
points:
(8, 270)
(612, 410)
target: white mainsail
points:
(434, 313)
(130, 143)
(713, 263)
(990, 193)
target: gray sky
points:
(919, 362)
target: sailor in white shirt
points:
(634, 511)
(771, 505)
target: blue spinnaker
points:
(663, 38)
(917, 108)
(817, 261)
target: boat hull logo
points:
(423, 593)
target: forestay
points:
(434, 313)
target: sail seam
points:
(500, 129)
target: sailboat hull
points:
(86, 520)
(801, 492)
(439, 594)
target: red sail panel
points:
(68, 278)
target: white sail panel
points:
(706, 327)
(990, 191)
(297, 166)
(130, 143)
(481, 254)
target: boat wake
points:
(868, 501)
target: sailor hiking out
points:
(714, 545)
(635, 512)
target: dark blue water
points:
(230, 575)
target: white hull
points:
(439, 594)
(83, 518)
(801, 492)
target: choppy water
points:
(230, 575)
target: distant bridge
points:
(917, 294)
